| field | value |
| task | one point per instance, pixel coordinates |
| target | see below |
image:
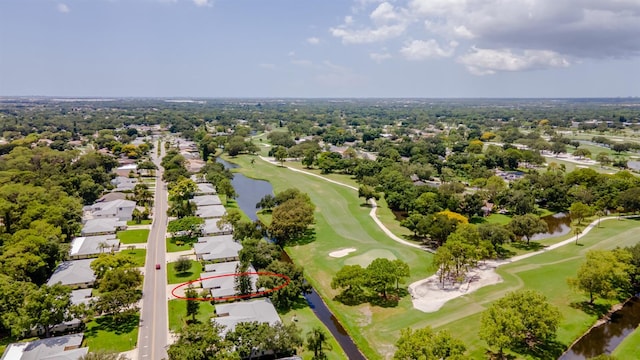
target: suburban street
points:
(153, 334)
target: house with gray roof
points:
(205, 189)
(76, 274)
(118, 209)
(224, 286)
(80, 296)
(211, 211)
(198, 178)
(206, 200)
(217, 248)
(124, 183)
(95, 227)
(85, 247)
(210, 227)
(231, 314)
(55, 348)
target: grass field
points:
(175, 278)
(172, 247)
(103, 334)
(137, 236)
(178, 313)
(342, 221)
(629, 348)
(139, 255)
(143, 222)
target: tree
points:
(224, 186)
(46, 307)
(280, 154)
(579, 211)
(380, 275)
(603, 159)
(101, 355)
(201, 342)
(521, 319)
(291, 219)
(285, 298)
(193, 305)
(582, 153)
(318, 341)
(367, 193)
(183, 189)
(350, 278)
(242, 280)
(107, 262)
(231, 217)
(426, 344)
(603, 274)
(189, 224)
(267, 203)
(182, 265)
(527, 225)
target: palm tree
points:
(577, 231)
(317, 341)
(599, 214)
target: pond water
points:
(250, 192)
(559, 224)
(606, 337)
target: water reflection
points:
(559, 224)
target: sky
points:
(320, 48)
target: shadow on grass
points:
(121, 324)
(598, 310)
(548, 350)
(308, 237)
(185, 274)
(531, 246)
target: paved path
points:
(154, 317)
(374, 206)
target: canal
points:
(250, 191)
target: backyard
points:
(137, 236)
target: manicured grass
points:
(137, 236)
(341, 222)
(178, 313)
(306, 320)
(143, 222)
(139, 255)
(233, 204)
(178, 278)
(501, 219)
(629, 348)
(571, 166)
(187, 244)
(103, 334)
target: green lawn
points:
(178, 313)
(103, 334)
(187, 244)
(175, 278)
(137, 236)
(143, 222)
(139, 255)
(629, 348)
(341, 222)
(233, 204)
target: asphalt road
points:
(153, 333)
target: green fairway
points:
(342, 222)
(176, 278)
(103, 334)
(629, 348)
(178, 313)
(137, 236)
(138, 255)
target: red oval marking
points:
(233, 297)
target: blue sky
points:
(320, 48)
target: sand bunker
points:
(341, 253)
(428, 295)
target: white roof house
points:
(205, 189)
(217, 248)
(205, 200)
(91, 246)
(224, 285)
(81, 296)
(75, 274)
(119, 209)
(229, 315)
(211, 211)
(56, 348)
(210, 227)
(102, 226)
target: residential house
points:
(217, 248)
(119, 209)
(126, 169)
(224, 286)
(206, 200)
(230, 314)
(94, 227)
(66, 347)
(123, 183)
(205, 189)
(211, 211)
(85, 247)
(211, 228)
(76, 274)
(80, 296)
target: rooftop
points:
(261, 310)
(73, 272)
(56, 348)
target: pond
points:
(559, 224)
(605, 338)
(250, 192)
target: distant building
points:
(119, 209)
(123, 183)
(56, 348)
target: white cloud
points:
(267, 66)
(380, 57)
(389, 23)
(313, 40)
(490, 61)
(422, 50)
(202, 3)
(63, 8)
